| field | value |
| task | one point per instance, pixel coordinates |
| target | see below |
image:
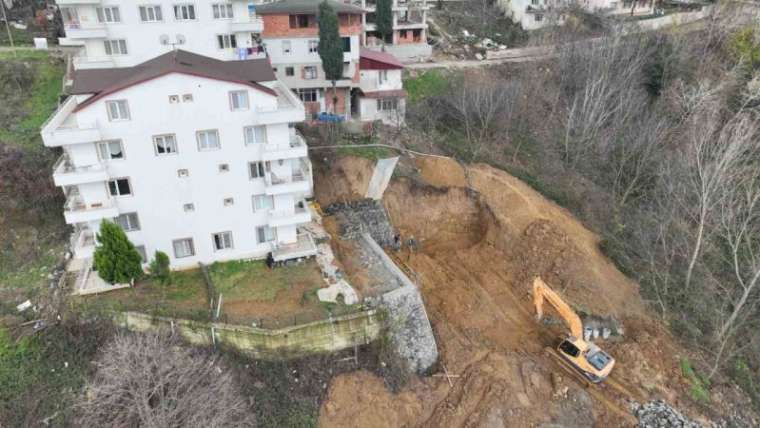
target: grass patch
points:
(254, 280)
(20, 37)
(185, 297)
(372, 153)
(700, 385)
(424, 85)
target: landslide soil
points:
(483, 236)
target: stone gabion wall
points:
(366, 215)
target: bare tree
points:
(152, 381)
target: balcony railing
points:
(249, 23)
(66, 174)
(82, 242)
(64, 166)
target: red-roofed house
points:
(381, 91)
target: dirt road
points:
(483, 236)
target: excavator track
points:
(599, 391)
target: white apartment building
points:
(192, 156)
(409, 39)
(115, 33)
(381, 93)
(535, 14)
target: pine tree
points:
(116, 259)
(384, 18)
(159, 268)
(330, 47)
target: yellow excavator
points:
(583, 356)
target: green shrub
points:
(745, 46)
(116, 259)
(159, 268)
(699, 384)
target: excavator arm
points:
(542, 292)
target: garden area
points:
(251, 294)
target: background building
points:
(381, 94)
(409, 39)
(192, 156)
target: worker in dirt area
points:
(397, 242)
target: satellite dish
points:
(180, 39)
(163, 39)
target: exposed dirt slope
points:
(483, 236)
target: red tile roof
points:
(374, 60)
(102, 82)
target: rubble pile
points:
(658, 414)
(366, 215)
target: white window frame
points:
(132, 221)
(255, 134)
(308, 91)
(150, 13)
(313, 46)
(310, 72)
(167, 141)
(105, 154)
(387, 104)
(256, 170)
(222, 11)
(188, 248)
(290, 71)
(202, 138)
(538, 17)
(121, 111)
(222, 241)
(267, 237)
(262, 203)
(382, 76)
(183, 12)
(226, 41)
(239, 100)
(287, 47)
(108, 14)
(115, 47)
(118, 193)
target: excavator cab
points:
(583, 356)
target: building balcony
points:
(247, 25)
(85, 62)
(295, 149)
(66, 174)
(82, 243)
(285, 218)
(76, 210)
(303, 247)
(298, 182)
(76, 2)
(62, 127)
(76, 30)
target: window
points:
(173, 99)
(346, 65)
(402, 34)
(255, 170)
(187, 98)
(128, 222)
(313, 46)
(255, 134)
(222, 241)
(308, 95)
(183, 248)
(222, 10)
(188, 208)
(119, 187)
(110, 150)
(151, 13)
(382, 76)
(299, 21)
(290, 71)
(117, 110)
(108, 14)
(534, 2)
(310, 72)
(208, 140)
(184, 12)
(226, 41)
(264, 234)
(239, 100)
(286, 47)
(228, 202)
(182, 173)
(346, 44)
(386, 104)
(144, 254)
(115, 47)
(165, 144)
(263, 202)
(538, 17)
(224, 167)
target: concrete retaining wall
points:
(317, 337)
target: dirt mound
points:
(347, 179)
(481, 245)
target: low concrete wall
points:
(317, 337)
(680, 18)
